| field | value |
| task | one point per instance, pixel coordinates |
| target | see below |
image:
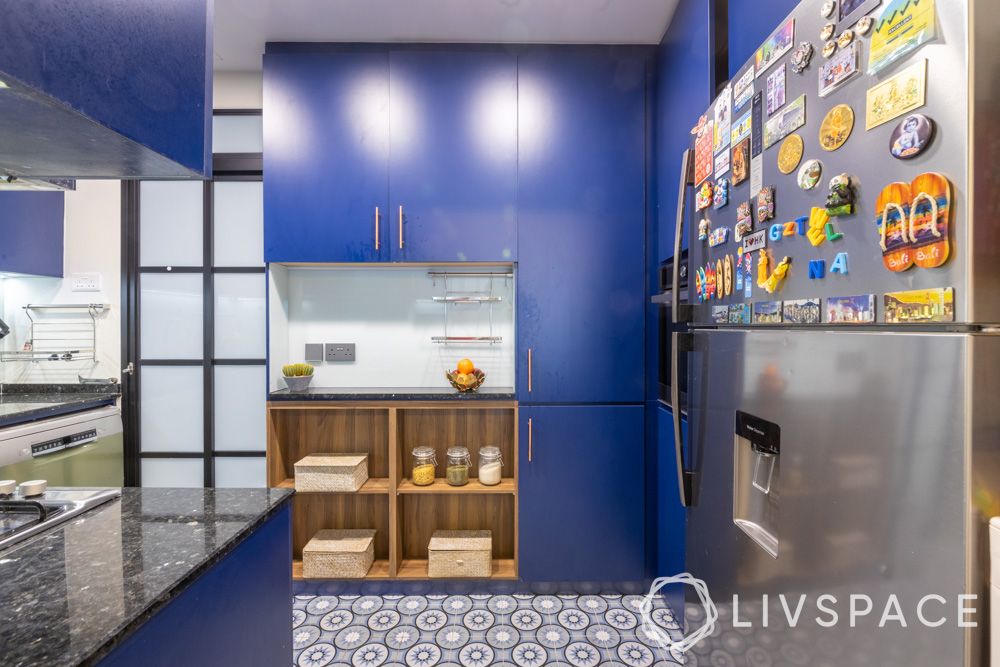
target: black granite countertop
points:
(21, 403)
(393, 394)
(68, 596)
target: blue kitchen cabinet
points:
(326, 147)
(581, 510)
(581, 225)
(453, 168)
(670, 514)
(31, 229)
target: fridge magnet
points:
(751, 242)
(744, 221)
(904, 26)
(913, 134)
(720, 314)
(801, 56)
(721, 164)
(741, 128)
(718, 236)
(802, 311)
(776, 231)
(739, 313)
(845, 39)
(777, 45)
(829, 48)
(790, 153)
(721, 195)
(703, 152)
(839, 264)
(743, 90)
(739, 270)
(836, 127)
(722, 120)
(704, 226)
(893, 210)
(727, 268)
(757, 142)
(801, 225)
(741, 161)
(786, 121)
(930, 210)
(703, 196)
(897, 95)
(852, 10)
(840, 201)
(839, 69)
(850, 309)
(765, 204)
(709, 282)
(809, 174)
(699, 283)
(700, 126)
(817, 269)
(719, 280)
(831, 233)
(818, 218)
(827, 8)
(775, 89)
(922, 305)
(773, 282)
(767, 312)
(747, 271)
(865, 24)
(826, 32)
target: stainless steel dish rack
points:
(483, 297)
(59, 332)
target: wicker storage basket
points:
(455, 554)
(331, 472)
(339, 554)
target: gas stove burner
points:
(21, 518)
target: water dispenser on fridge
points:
(756, 476)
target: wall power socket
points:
(339, 352)
(85, 282)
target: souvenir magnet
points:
(831, 232)
(924, 305)
(722, 116)
(930, 210)
(703, 197)
(699, 283)
(765, 204)
(721, 195)
(897, 95)
(775, 88)
(839, 69)
(704, 226)
(864, 25)
(739, 270)
(829, 48)
(786, 121)
(718, 236)
(826, 32)
(720, 314)
(741, 161)
(754, 241)
(892, 211)
(827, 8)
(703, 162)
(839, 264)
(747, 271)
(771, 281)
(767, 312)
(818, 218)
(790, 153)
(777, 45)
(801, 56)
(817, 269)
(709, 282)
(727, 267)
(744, 220)
(763, 264)
(903, 26)
(850, 309)
(840, 201)
(809, 174)
(719, 279)
(845, 39)
(801, 311)
(739, 313)
(913, 134)
(836, 127)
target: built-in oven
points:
(667, 327)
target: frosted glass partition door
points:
(201, 328)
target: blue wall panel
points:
(31, 233)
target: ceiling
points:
(243, 26)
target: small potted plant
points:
(297, 376)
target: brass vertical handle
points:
(529, 370)
(529, 439)
(400, 226)
(376, 229)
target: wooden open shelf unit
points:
(403, 514)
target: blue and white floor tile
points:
(477, 630)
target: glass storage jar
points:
(490, 466)
(458, 466)
(424, 463)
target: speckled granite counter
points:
(21, 403)
(71, 595)
(392, 394)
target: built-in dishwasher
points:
(82, 449)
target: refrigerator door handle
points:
(681, 312)
(685, 477)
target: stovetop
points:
(21, 518)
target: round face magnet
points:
(829, 48)
(864, 24)
(810, 173)
(827, 8)
(836, 127)
(790, 153)
(845, 39)
(801, 56)
(826, 32)
(913, 134)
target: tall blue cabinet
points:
(31, 233)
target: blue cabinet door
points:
(326, 143)
(453, 174)
(580, 486)
(581, 226)
(31, 233)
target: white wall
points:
(92, 245)
(388, 312)
(238, 90)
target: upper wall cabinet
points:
(453, 138)
(31, 229)
(326, 157)
(98, 89)
(581, 225)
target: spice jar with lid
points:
(490, 466)
(458, 466)
(424, 463)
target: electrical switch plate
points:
(314, 352)
(339, 352)
(85, 282)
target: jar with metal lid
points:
(424, 464)
(458, 466)
(490, 466)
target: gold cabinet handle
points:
(376, 229)
(529, 370)
(529, 439)
(400, 226)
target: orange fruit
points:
(466, 366)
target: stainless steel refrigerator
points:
(846, 457)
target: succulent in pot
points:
(297, 376)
